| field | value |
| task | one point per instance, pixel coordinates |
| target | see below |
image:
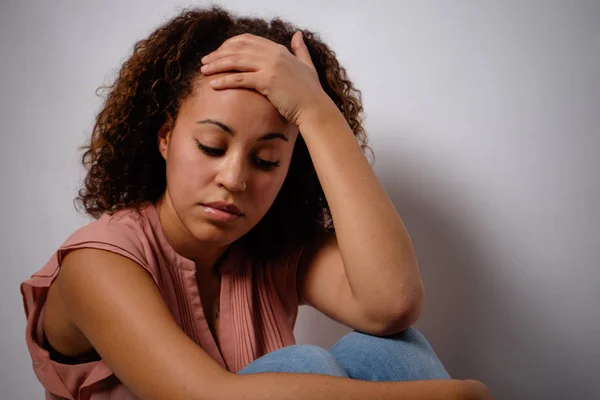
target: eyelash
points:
(262, 164)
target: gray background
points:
(485, 118)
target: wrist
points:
(322, 111)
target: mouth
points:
(225, 207)
(221, 211)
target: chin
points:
(212, 233)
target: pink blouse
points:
(259, 306)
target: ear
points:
(164, 137)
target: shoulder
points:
(127, 223)
(126, 233)
(123, 233)
(96, 252)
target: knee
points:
(307, 353)
(403, 356)
(410, 339)
(305, 358)
(309, 358)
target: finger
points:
(245, 41)
(237, 62)
(248, 39)
(245, 80)
(300, 50)
(234, 44)
(222, 52)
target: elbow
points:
(399, 322)
(402, 315)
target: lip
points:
(229, 208)
(219, 215)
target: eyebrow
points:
(227, 129)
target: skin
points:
(366, 277)
(217, 151)
(239, 173)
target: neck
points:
(206, 256)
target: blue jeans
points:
(406, 356)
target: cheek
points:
(187, 171)
(266, 188)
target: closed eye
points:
(259, 162)
(210, 151)
(265, 165)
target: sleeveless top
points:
(259, 305)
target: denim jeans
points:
(406, 356)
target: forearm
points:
(376, 249)
(293, 386)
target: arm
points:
(373, 246)
(376, 252)
(115, 304)
(323, 284)
(117, 307)
(288, 386)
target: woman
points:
(225, 153)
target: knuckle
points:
(231, 42)
(282, 49)
(238, 45)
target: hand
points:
(477, 390)
(289, 81)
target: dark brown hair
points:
(125, 166)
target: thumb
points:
(300, 50)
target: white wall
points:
(485, 118)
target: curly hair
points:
(125, 168)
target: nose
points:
(232, 174)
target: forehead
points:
(241, 109)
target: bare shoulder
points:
(114, 304)
(78, 278)
(60, 332)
